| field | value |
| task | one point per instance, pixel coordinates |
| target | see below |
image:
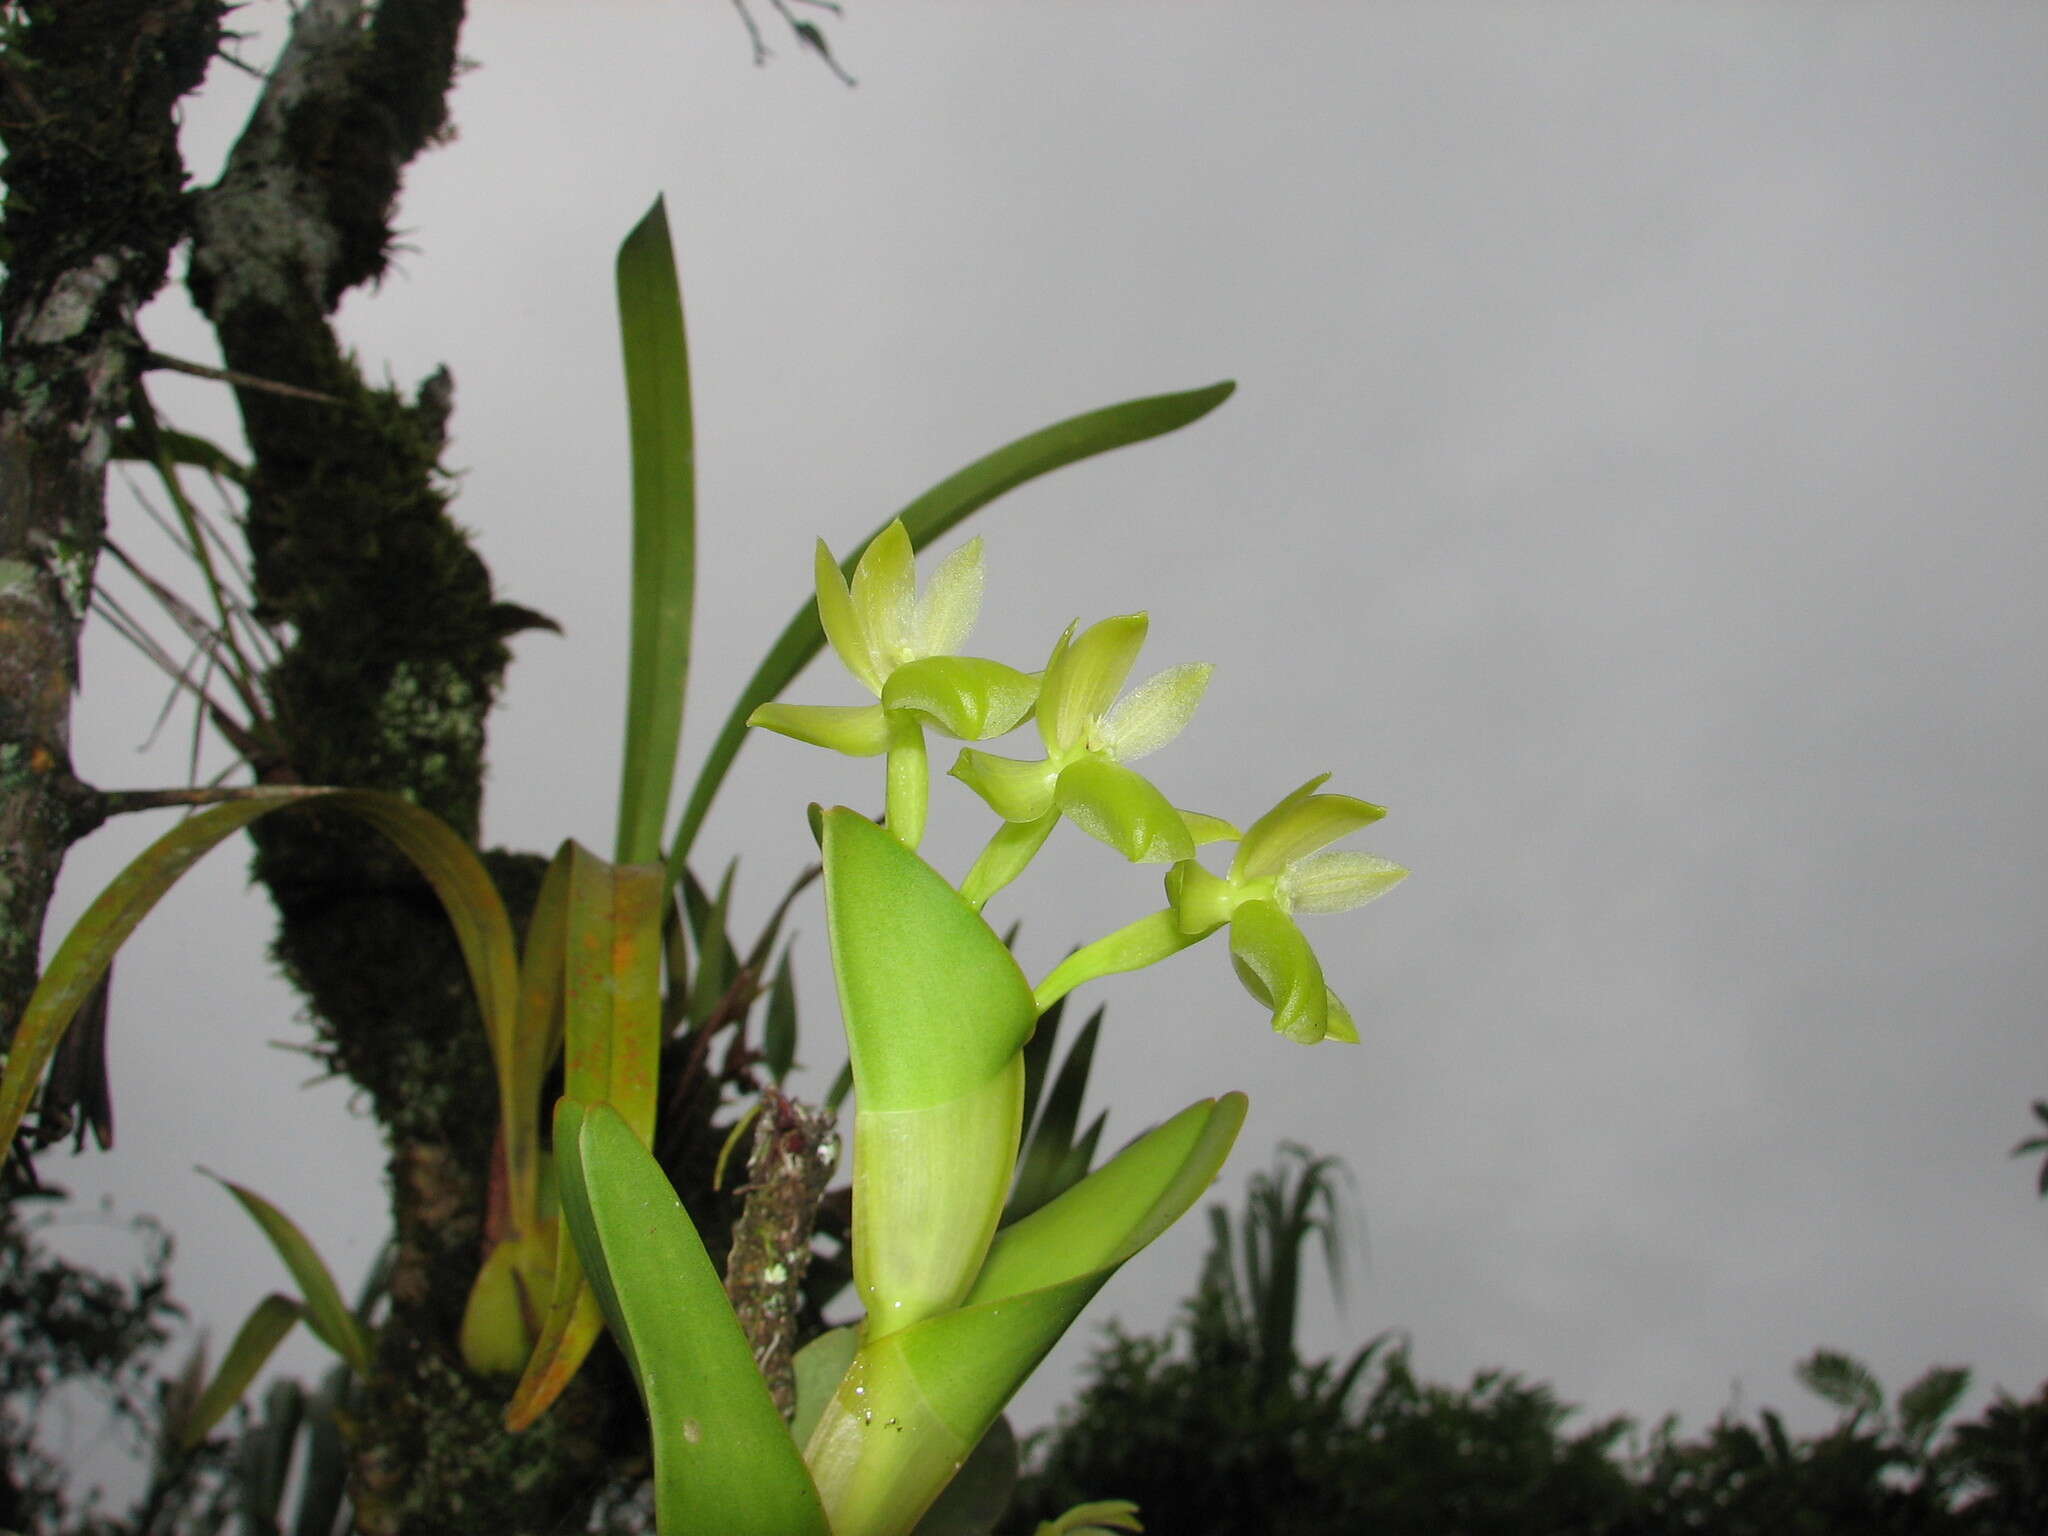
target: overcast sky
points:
(1636, 482)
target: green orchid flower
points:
(1284, 868)
(1089, 735)
(901, 647)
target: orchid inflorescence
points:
(903, 648)
(965, 1282)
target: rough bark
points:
(396, 654)
(95, 202)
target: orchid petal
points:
(1278, 968)
(951, 602)
(1298, 826)
(1117, 806)
(1014, 790)
(964, 696)
(858, 730)
(1083, 678)
(1155, 711)
(885, 596)
(842, 628)
(1208, 829)
(1341, 1027)
(1336, 880)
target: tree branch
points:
(94, 206)
(396, 655)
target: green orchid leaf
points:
(916, 966)
(326, 1313)
(718, 959)
(778, 1029)
(323, 1475)
(501, 1319)
(82, 959)
(1117, 1209)
(1052, 1138)
(820, 1366)
(966, 697)
(664, 530)
(933, 514)
(857, 730)
(448, 863)
(1084, 677)
(611, 1049)
(1296, 827)
(524, 1059)
(263, 1459)
(1118, 806)
(914, 1404)
(1038, 1050)
(724, 1463)
(979, 1495)
(1073, 1168)
(938, 1385)
(1278, 968)
(256, 1340)
(936, 1014)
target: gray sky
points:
(1635, 482)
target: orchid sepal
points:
(1119, 806)
(857, 730)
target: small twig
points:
(238, 379)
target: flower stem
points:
(1148, 940)
(1012, 848)
(909, 778)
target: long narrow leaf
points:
(937, 1385)
(1047, 1153)
(255, 1341)
(664, 530)
(457, 876)
(536, 1036)
(612, 977)
(724, 1463)
(778, 1032)
(935, 1142)
(1038, 1053)
(938, 510)
(326, 1313)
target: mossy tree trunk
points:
(395, 651)
(95, 203)
(397, 648)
